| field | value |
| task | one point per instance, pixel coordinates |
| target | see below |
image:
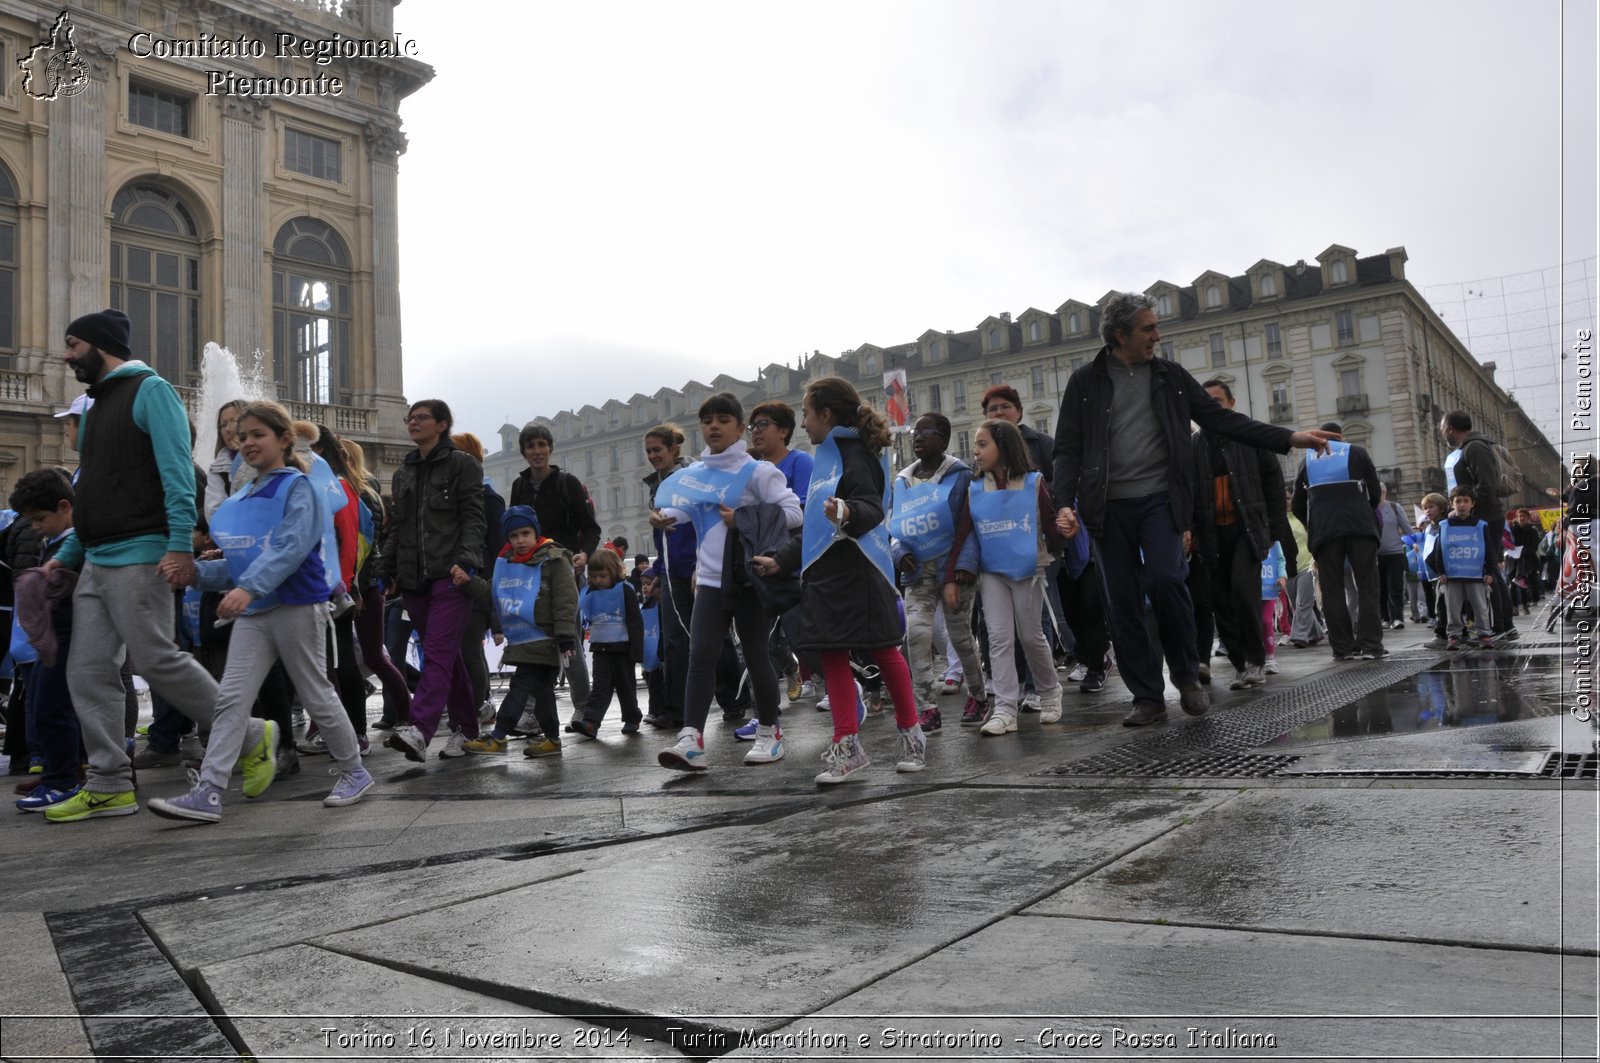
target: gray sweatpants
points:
(1014, 611)
(297, 635)
(1303, 593)
(114, 608)
(924, 602)
(1471, 591)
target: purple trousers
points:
(438, 613)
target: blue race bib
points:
(819, 533)
(516, 590)
(1450, 471)
(1464, 553)
(651, 615)
(189, 615)
(243, 526)
(1007, 526)
(701, 491)
(1271, 569)
(604, 614)
(1330, 468)
(921, 517)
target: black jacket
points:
(1257, 485)
(1040, 449)
(760, 530)
(1339, 510)
(1479, 469)
(566, 512)
(1084, 427)
(438, 518)
(845, 604)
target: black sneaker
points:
(1145, 713)
(1093, 683)
(1375, 655)
(1508, 636)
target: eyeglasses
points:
(760, 426)
(417, 417)
(998, 407)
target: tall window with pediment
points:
(311, 312)
(155, 278)
(8, 270)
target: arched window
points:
(1340, 273)
(1269, 286)
(1213, 296)
(1164, 306)
(1034, 332)
(1074, 323)
(155, 278)
(311, 311)
(8, 269)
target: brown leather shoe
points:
(1145, 713)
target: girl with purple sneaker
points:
(271, 536)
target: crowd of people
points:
(283, 574)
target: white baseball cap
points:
(79, 405)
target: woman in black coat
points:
(848, 599)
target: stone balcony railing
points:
(358, 419)
(17, 386)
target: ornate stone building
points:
(1344, 338)
(210, 195)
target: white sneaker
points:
(843, 759)
(1050, 708)
(486, 714)
(1241, 679)
(808, 689)
(1271, 667)
(453, 744)
(913, 750)
(999, 723)
(688, 753)
(1030, 702)
(1078, 673)
(407, 740)
(768, 748)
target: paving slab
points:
(1139, 989)
(362, 1011)
(36, 988)
(1497, 867)
(776, 919)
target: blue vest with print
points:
(605, 614)
(1271, 569)
(516, 590)
(651, 615)
(1464, 553)
(701, 491)
(1007, 526)
(243, 525)
(1330, 468)
(323, 477)
(921, 517)
(1450, 470)
(818, 533)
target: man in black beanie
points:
(132, 540)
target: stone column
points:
(77, 191)
(385, 143)
(244, 312)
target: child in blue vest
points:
(1003, 542)
(929, 497)
(848, 599)
(610, 611)
(273, 558)
(537, 600)
(1274, 581)
(1461, 558)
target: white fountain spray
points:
(222, 381)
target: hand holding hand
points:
(459, 576)
(1066, 521)
(766, 567)
(177, 569)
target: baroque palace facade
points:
(204, 170)
(1345, 338)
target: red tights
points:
(896, 676)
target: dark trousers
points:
(274, 702)
(677, 612)
(167, 725)
(346, 672)
(1236, 597)
(613, 671)
(1392, 587)
(396, 639)
(1085, 611)
(1366, 634)
(1205, 613)
(1132, 525)
(1499, 592)
(707, 633)
(52, 723)
(369, 634)
(538, 682)
(472, 645)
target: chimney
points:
(1490, 367)
(1397, 262)
(1005, 315)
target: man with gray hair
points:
(1123, 471)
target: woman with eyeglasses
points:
(434, 549)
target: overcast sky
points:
(607, 198)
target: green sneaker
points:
(86, 804)
(542, 747)
(260, 764)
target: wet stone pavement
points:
(1373, 860)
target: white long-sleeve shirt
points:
(766, 484)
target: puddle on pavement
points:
(1466, 690)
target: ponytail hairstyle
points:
(1013, 451)
(839, 397)
(327, 446)
(280, 424)
(669, 433)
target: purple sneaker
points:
(349, 789)
(203, 804)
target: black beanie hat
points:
(107, 330)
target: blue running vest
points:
(1006, 524)
(333, 493)
(1464, 553)
(1330, 468)
(922, 519)
(1450, 471)
(819, 533)
(604, 613)
(243, 525)
(701, 490)
(516, 590)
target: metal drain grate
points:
(1572, 766)
(1214, 766)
